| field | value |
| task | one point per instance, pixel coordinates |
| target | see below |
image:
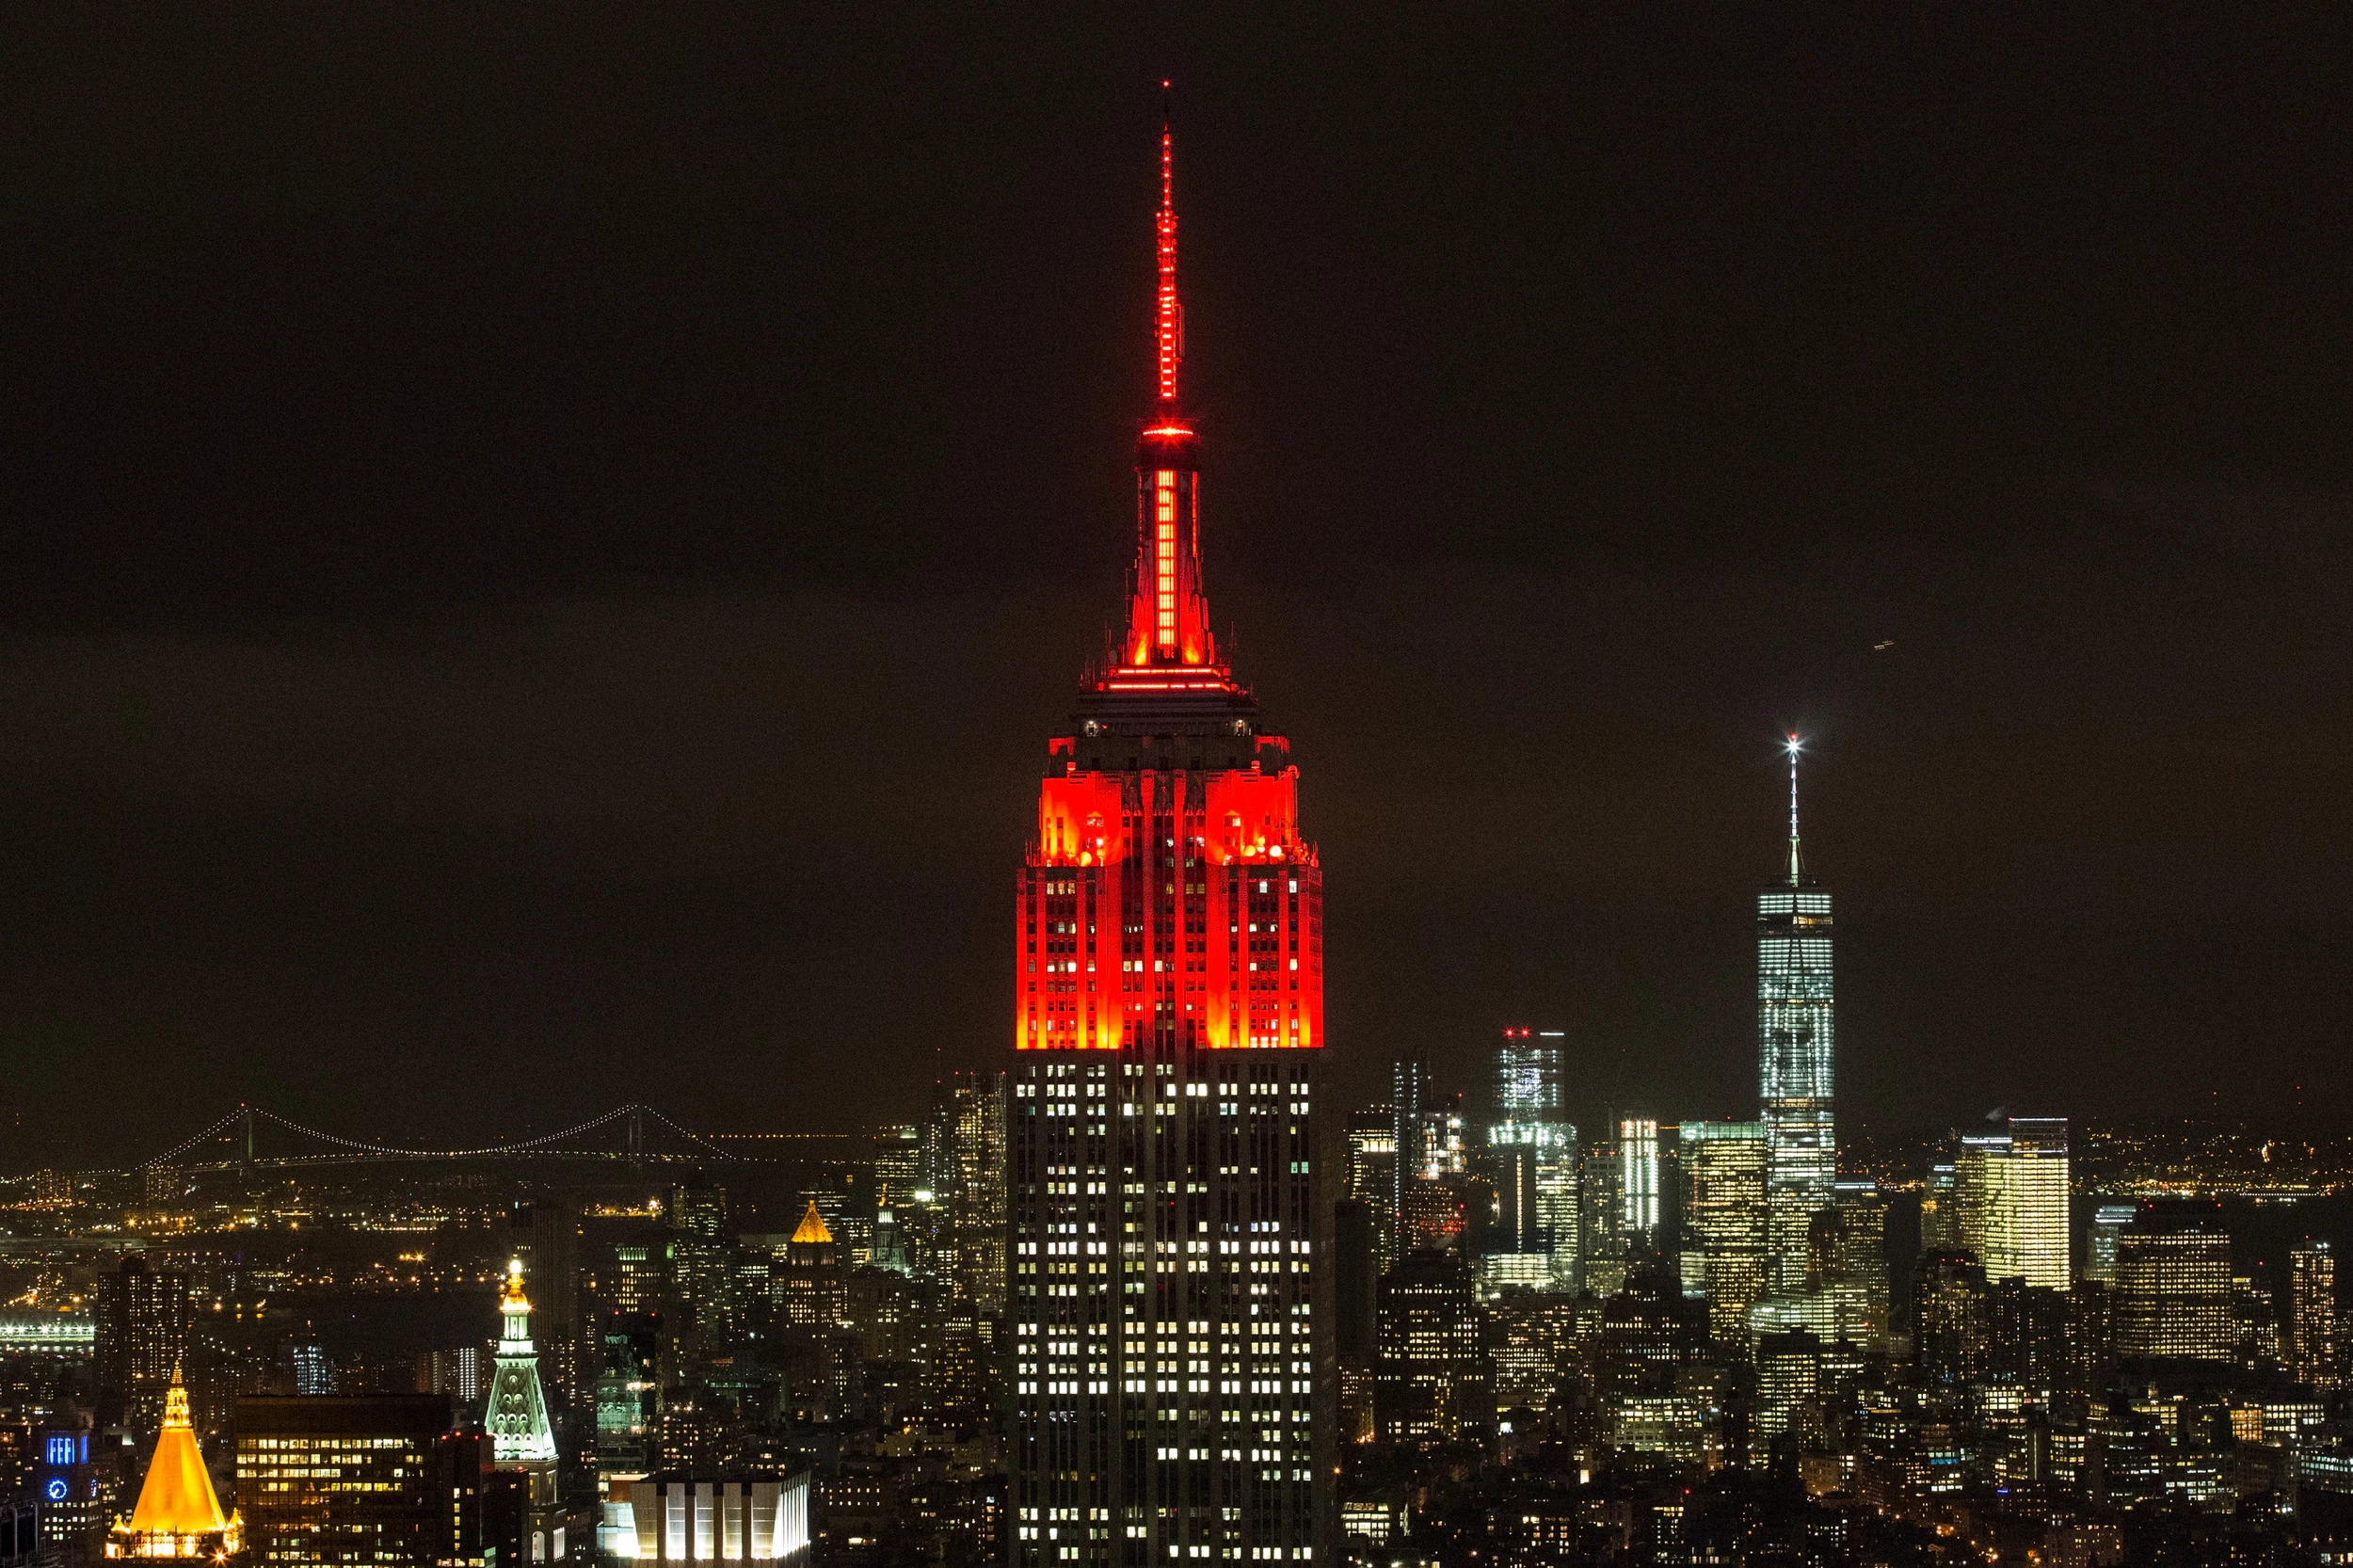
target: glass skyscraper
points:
(1532, 1151)
(1794, 1048)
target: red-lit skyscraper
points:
(1168, 1016)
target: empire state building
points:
(1165, 1219)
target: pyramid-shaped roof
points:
(177, 1497)
(812, 1226)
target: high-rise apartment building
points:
(2010, 1178)
(972, 1183)
(1532, 1160)
(1724, 1223)
(1164, 1202)
(2173, 1285)
(1794, 1041)
(142, 1339)
(2312, 1351)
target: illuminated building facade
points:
(522, 1441)
(1793, 1026)
(2011, 1179)
(331, 1480)
(1724, 1223)
(1434, 1383)
(809, 1288)
(2311, 1336)
(1531, 1157)
(1169, 1012)
(1637, 1179)
(2174, 1285)
(2108, 1222)
(178, 1515)
(673, 1517)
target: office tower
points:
(346, 1483)
(142, 1339)
(1788, 1374)
(515, 1412)
(1939, 1210)
(1371, 1179)
(1433, 1384)
(972, 1186)
(69, 1485)
(1165, 1203)
(2312, 1344)
(1531, 1158)
(308, 1368)
(2173, 1285)
(2109, 1222)
(1793, 1022)
(1849, 1244)
(1412, 1153)
(1638, 1182)
(810, 1285)
(1724, 1223)
(627, 1396)
(2011, 1179)
(1529, 1331)
(178, 1514)
(1949, 1328)
(1648, 1330)
(1601, 1219)
(702, 1264)
(899, 1163)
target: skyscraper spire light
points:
(1797, 860)
(1169, 335)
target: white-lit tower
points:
(1794, 1049)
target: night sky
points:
(543, 547)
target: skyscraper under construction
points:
(1162, 1196)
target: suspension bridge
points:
(252, 1137)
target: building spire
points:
(1168, 617)
(1170, 342)
(1797, 860)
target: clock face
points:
(56, 1489)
